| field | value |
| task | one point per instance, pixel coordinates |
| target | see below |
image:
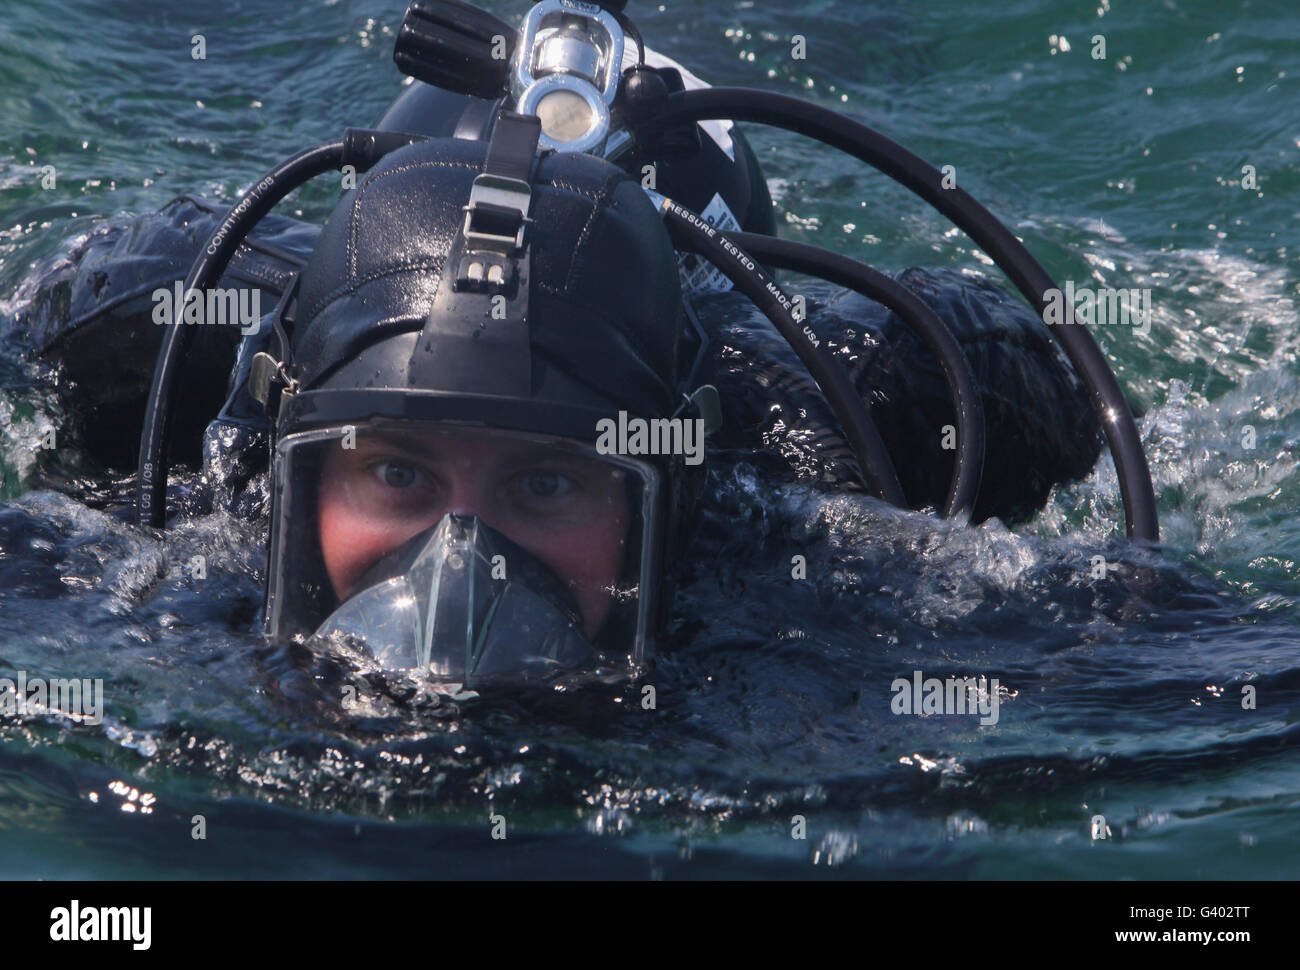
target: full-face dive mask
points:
(467, 553)
(451, 488)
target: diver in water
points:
(439, 491)
(436, 384)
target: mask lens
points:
(463, 552)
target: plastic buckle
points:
(492, 198)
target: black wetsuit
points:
(92, 313)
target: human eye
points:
(544, 492)
(546, 483)
(397, 473)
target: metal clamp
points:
(494, 202)
(266, 371)
(705, 402)
(553, 12)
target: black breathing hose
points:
(359, 147)
(151, 484)
(782, 111)
(841, 270)
(692, 233)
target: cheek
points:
(590, 562)
(352, 541)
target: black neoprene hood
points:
(604, 302)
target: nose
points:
(468, 495)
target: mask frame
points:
(300, 596)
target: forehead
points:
(469, 444)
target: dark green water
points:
(1124, 171)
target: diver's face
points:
(568, 511)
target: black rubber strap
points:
(513, 147)
(476, 339)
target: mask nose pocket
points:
(463, 603)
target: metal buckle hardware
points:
(500, 193)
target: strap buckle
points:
(497, 214)
(706, 404)
(264, 373)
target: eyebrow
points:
(411, 445)
(417, 447)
